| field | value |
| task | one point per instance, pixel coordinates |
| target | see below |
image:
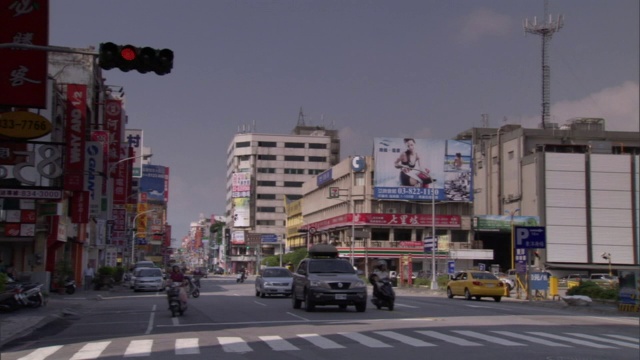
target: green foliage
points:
(119, 274)
(442, 281)
(594, 291)
(107, 271)
(293, 257)
(421, 282)
(3, 281)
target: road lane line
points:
(41, 353)
(234, 344)
(91, 350)
(277, 343)
(488, 338)
(531, 339)
(404, 339)
(298, 316)
(610, 341)
(365, 340)
(575, 341)
(259, 303)
(151, 319)
(406, 306)
(628, 338)
(187, 346)
(139, 348)
(320, 341)
(448, 338)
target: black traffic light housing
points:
(129, 57)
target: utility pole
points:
(546, 29)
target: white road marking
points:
(151, 319)
(406, 306)
(404, 339)
(41, 353)
(601, 339)
(187, 346)
(320, 341)
(91, 350)
(234, 344)
(277, 343)
(450, 339)
(139, 348)
(531, 339)
(575, 341)
(259, 303)
(488, 338)
(298, 316)
(628, 338)
(365, 340)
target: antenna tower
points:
(300, 118)
(546, 29)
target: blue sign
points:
(324, 178)
(451, 267)
(482, 267)
(269, 238)
(141, 241)
(539, 281)
(358, 164)
(530, 237)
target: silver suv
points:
(325, 279)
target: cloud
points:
(482, 23)
(618, 106)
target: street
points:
(229, 322)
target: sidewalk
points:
(23, 321)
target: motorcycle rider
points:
(177, 276)
(380, 273)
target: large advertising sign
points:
(419, 169)
(241, 212)
(241, 185)
(23, 73)
(153, 182)
(94, 164)
(75, 134)
(113, 122)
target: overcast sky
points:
(369, 68)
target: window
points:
(494, 160)
(243, 144)
(266, 196)
(266, 222)
(293, 158)
(244, 157)
(318, 158)
(317, 146)
(267, 170)
(510, 155)
(315, 171)
(293, 183)
(266, 183)
(293, 197)
(294, 145)
(266, 157)
(266, 209)
(267, 144)
(479, 164)
(294, 171)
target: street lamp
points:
(434, 282)
(113, 166)
(513, 248)
(133, 233)
(607, 256)
(334, 193)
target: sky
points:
(426, 69)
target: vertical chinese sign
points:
(23, 72)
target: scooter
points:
(383, 294)
(31, 295)
(10, 298)
(173, 296)
(240, 277)
(194, 287)
(69, 286)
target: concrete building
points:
(262, 171)
(578, 181)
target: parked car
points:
(475, 284)
(508, 282)
(575, 279)
(274, 280)
(148, 279)
(604, 280)
(326, 279)
(217, 270)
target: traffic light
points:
(129, 57)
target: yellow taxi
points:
(475, 284)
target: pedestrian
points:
(89, 274)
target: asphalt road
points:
(229, 322)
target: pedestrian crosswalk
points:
(373, 339)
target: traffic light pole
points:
(59, 49)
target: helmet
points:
(381, 264)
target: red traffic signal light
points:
(129, 57)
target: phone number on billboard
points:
(31, 194)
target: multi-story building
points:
(263, 170)
(578, 181)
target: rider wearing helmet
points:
(381, 270)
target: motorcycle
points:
(240, 277)
(10, 298)
(69, 286)
(194, 287)
(173, 296)
(383, 294)
(31, 295)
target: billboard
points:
(419, 169)
(241, 212)
(133, 137)
(241, 185)
(153, 182)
